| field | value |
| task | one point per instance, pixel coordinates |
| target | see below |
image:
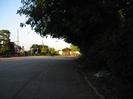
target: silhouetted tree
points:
(101, 28)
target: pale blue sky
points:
(11, 21)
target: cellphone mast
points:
(17, 37)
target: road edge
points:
(90, 84)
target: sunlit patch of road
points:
(40, 77)
(36, 57)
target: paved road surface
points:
(42, 78)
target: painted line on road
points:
(91, 85)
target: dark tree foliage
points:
(101, 28)
(66, 49)
(4, 31)
(71, 19)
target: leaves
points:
(96, 26)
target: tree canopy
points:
(74, 48)
(4, 31)
(74, 19)
(101, 28)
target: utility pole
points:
(42, 42)
(17, 37)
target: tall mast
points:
(42, 42)
(17, 36)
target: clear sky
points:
(11, 21)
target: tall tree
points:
(73, 19)
(101, 28)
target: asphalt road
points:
(42, 78)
